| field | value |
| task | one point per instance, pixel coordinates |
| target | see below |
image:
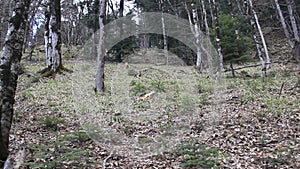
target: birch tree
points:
(261, 34)
(9, 68)
(283, 23)
(195, 29)
(290, 4)
(216, 5)
(248, 12)
(164, 31)
(205, 18)
(99, 82)
(53, 38)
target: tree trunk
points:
(261, 34)
(9, 68)
(258, 49)
(205, 18)
(196, 32)
(283, 23)
(99, 82)
(53, 38)
(216, 5)
(293, 20)
(164, 33)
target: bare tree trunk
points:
(196, 32)
(121, 14)
(9, 69)
(216, 5)
(211, 12)
(53, 38)
(99, 82)
(121, 9)
(205, 18)
(164, 32)
(283, 23)
(293, 20)
(261, 34)
(258, 49)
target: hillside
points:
(246, 122)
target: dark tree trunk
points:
(99, 82)
(9, 68)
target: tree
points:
(290, 4)
(195, 29)
(99, 82)
(283, 23)
(53, 38)
(260, 33)
(9, 69)
(235, 39)
(216, 5)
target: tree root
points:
(47, 72)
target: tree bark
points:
(99, 82)
(293, 20)
(205, 18)
(9, 68)
(196, 32)
(257, 44)
(283, 23)
(261, 34)
(164, 32)
(53, 38)
(216, 5)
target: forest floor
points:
(157, 117)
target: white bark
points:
(99, 82)
(164, 34)
(9, 69)
(283, 23)
(293, 20)
(217, 38)
(196, 32)
(261, 34)
(253, 24)
(205, 18)
(53, 35)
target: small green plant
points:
(131, 72)
(35, 79)
(198, 155)
(52, 122)
(203, 87)
(158, 86)
(115, 118)
(137, 88)
(58, 154)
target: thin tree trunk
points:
(9, 69)
(261, 34)
(121, 9)
(216, 5)
(196, 32)
(211, 12)
(99, 82)
(205, 18)
(283, 23)
(253, 24)
(164, 32)
(293, 20)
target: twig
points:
(281, 89)
(104, 161)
